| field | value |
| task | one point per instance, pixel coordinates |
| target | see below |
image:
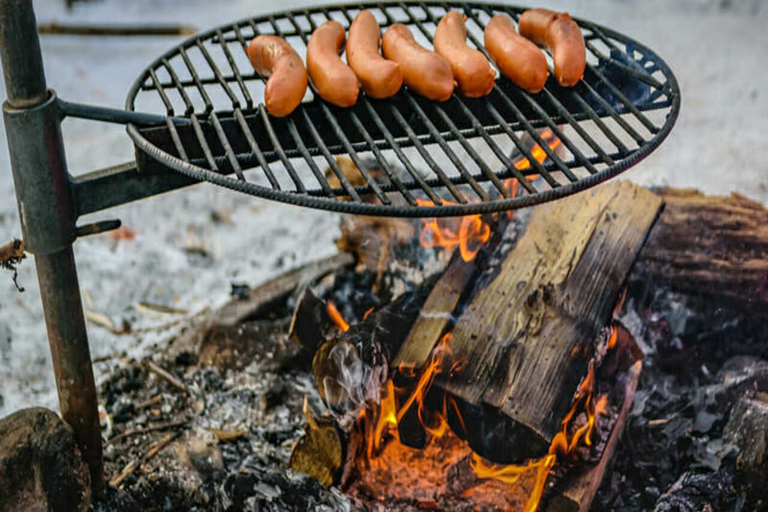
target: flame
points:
(550, 139)
(336, 316)
(468, 233)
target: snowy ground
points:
(718, 49)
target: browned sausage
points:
(379, 77)
(335, 81)
(534, 24)
(471, 69)
(424, 71)
(273, 57)
(559, 33)
(518, 58)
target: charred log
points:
(711, 246)
(526, 338)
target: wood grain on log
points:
(713, 246)
(526, 338)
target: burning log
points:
(712, 246)
(525, 339)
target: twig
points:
(167, 376)
(139, 431)
(54, 28)
(132, 466)
(149, 403)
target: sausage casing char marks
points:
(516, 57)
(471, 69)
(273, 57)
(424, 71)
(563, 37)
(335, 81)
(380, 78)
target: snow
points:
(717, 49)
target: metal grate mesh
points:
(416, 157)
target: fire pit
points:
(195, 115)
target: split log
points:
(711, 246)
(526, 338)
(747, 428)
(577, 490)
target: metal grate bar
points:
(203, 143)
(624, 100)
(600, 124)
(644, 77)
(578, 129)
(303, 150)
(255, 149)
(331, 161)
(280, 151)
(227, 147)
(361, 167)
(196, 78)
(217, 73)
(465, 174)
(164, 97)
(176, 139)
(190, 108)
(236, 72)
(639, 139)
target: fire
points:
(470, 232)
(336, 316)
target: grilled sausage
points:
(335, 81)
(424, 71)
(517, 57)
(379, 77)
(471, 69)
(273, 57)
(559, 33)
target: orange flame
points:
(470, 232)
(336, 316)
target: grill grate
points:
(416, 157)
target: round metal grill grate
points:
(415, 157)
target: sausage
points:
(273, 57)
(534, 24)
(424, 71)
(335, 81)
(380, 78)
(568, 50)
(563, 37)
(516, 57)
(471, 69)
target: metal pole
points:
(48, 214)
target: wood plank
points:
(526, 337)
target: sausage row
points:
(432, 74)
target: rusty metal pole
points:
(48, 214)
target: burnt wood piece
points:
(577, 490)
(436, 313)
(712, 246)
(525, 339)
(311, 324)
(350, 367)
(747, 428)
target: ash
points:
(233, 428)
(701, 358)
